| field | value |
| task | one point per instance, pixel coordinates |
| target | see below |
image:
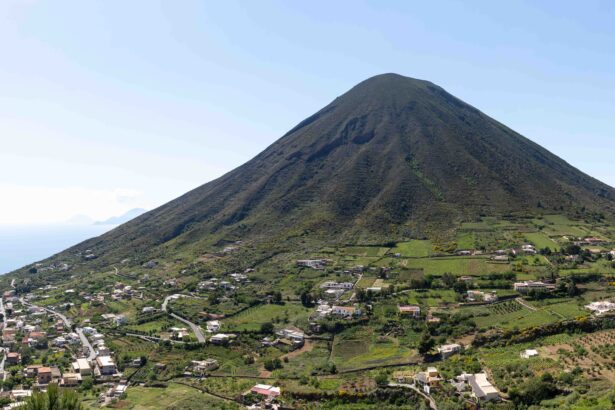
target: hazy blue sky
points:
(109, 105)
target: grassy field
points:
(455, 265)
(561, 225)
(540, 240)
(313, 356)
(431, 298)
(362, 347)
(352, 354)
(371, 251)
(466, 240)
(509, 315)
(175, 396)
(281, 315)
(414, 249)
(155, 325)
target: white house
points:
(82, 367)
(345, 311)
(482, 389)
(106, 365)
(337, 285)
(449, 350)
(213, 326)
(204, 365)
(414, 311)
(527, 353)
(220, 339)
(527, 286)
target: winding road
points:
(84, 340)
(432, 402)
(198, 332)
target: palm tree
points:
(54, 399)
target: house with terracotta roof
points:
(44, 376)
(13, 358)
(265, 390)
(345, 311)
(408, 310)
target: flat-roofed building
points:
(82, 366)
(482, 389)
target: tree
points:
(572, 290)
(307, 299)
(54, 399)
(361, 295)
(267, 328)
(381, 379)
(276, 297)
(87, 383)
(426, 343)
(460, 287)
(272, 364)
(571, 249)
(448, 279)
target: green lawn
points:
(280, 315)
(510, 315)
(350, 354)
(414, 249)
(456, 265)
(175, 396)
(369, 251)
(466, 240)
(430, 298)
(540, 240)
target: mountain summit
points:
(387, 160)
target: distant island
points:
(118, 220)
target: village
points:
(44, 342)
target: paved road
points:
(432, 402)
(198, 332)
(354, 293)
(84, 340)
(86, 343)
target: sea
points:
(22, 245)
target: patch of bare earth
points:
(307, 347)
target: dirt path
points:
(522, 303)
(265, 374)
(308, 346)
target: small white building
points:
(82, 367)
(527, 353)
(345, 311)
(449, 350)
(204, 365)
(482, 389)
(409, 310)
(106, 365)
(527, 286)
(337, 285)
(291, 334)
(213, 326)
(220, 339)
